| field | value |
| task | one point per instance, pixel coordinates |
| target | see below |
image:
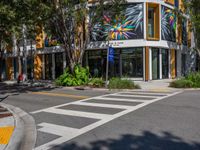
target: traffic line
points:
(59, 95)
(88, 103)
(122, 99)
(57, 129)
(77, 113)
(5, 134)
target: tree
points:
(6, 24)
(193, 8)
(69, 22)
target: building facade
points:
(151, 42)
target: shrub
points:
(80, 76)
(118, 83)
(181, 83)
(96, 82)
(195, 78)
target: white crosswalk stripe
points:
(139, 98)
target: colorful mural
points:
(51, 41)
(131, 27)
(168, 24)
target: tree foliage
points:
(194, 11)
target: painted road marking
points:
(77, 113)
(76, 132)
(122, 99)
(59, 95)
(57, 129)
(5, 134)
(87, 103)
(132, 95)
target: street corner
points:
(7, 126)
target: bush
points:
(195, 78)
(181, 83)
(80, 76)
(118, 83)
(96, 82)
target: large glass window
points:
(151, 22)
(132, 62)
(48, 66)
(95, 63)
(155, 63)
(58, 64)
(183, 64)
(165, 63)
(126, 63)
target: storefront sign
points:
(111, 54)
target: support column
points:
(173, 64)
(38, 67)
(146, 63)
(160, 63)
(150, 64)
(169, 62)
(53, 66)
(43, 67)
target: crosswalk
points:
(101, 110)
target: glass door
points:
(155, 63)
(165, 63)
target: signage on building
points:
(111, 54)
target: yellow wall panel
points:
(10, 69)
(146, 63)
(38, 67)
(173, 64)
(40, 38)
(169, 2)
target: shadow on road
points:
(147, 141)
(5, 88)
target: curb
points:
(24, 134)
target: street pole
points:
(107, 66)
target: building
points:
(151, 42)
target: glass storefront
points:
(165, 63)
(58, 64)
(127, 63)
(183, 64)
(48, 66)
(132, 62)
(155, 63)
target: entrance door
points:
(165, 63)
(155, 63)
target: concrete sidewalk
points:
(157, 85)
(17, 129)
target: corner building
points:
(150, 43)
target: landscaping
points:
(118, 83)
(190, 81)
(81, 77)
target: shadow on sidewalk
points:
(147, 141)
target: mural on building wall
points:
(131, 27)
(184, 32)
(51, 41)
(168, 24)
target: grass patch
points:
(118, 83)
(190, 81)
(96, 83)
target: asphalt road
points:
(114, 122)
